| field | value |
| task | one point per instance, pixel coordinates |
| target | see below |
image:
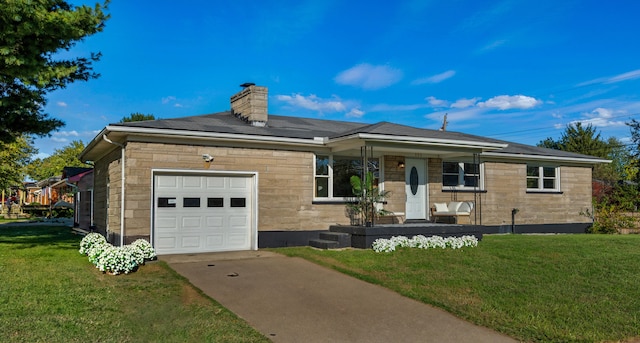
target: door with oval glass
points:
(416, 188)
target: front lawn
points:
(551, 288)
(51, 293)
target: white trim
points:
(254, 193)
(480, 186)
(236, 137)
(331, 198)
(541, 178)
(422, 140)
(527, 157)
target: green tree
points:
(32, 34)
(634, 165)
(137, 117)
(14, 158)
(586, 140)
(549, 143)
(41, 169)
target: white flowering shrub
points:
(116, 260)
(422, 242)
(145, 247)
(90, 241)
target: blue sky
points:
(513, 70)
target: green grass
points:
(560, 288)
(51, 293)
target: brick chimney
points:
(250, 104)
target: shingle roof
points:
(308, 128)
(225, 122)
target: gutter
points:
(423, 140)
(104, 137)
(546, 158)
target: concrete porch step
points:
(331, 240)
(323, 244)
(343, 239)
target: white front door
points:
(416, 188)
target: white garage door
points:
(195, 213)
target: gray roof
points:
(308, 128)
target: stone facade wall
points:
(506, 189)
(394, 184)
(285, 189)
(285, 184)
(107, 170)
(509, 182)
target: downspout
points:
(122, 186)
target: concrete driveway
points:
(292, 300)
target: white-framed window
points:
(543, 178)
(462, 175)
(333, 174)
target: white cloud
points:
(507, 102)
(355, 113)
(631, 75)
(600, 117)
(464, 103)
(73, 133)
(396, 108)
(435, 102)
(61, 104)
(456, 116)
(625, 76)
(492, 46)
(435, 78)
(369, 76)
(313, 102)
(168, 99)
(59, 139)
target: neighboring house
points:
(82, 181)
(48, 194)
(241, 179)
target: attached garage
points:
(196, 212)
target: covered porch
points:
(413, 174)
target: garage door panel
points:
(215, 241)
(165, 243)
(215, 222)
(238, 221)
(207, 213)
(192, 182)
(192, 223)
(215, 183)
(166, 223)
(190, 241)
(238, 183)
(166, 182)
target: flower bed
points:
(422, 242)
(115, 260)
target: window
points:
(541, 178)
(166, 202)
(191, 202)
(333, 175)
(238, 202)
(461, 175)
(215, 202)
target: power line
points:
(552, 127)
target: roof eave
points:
(422, 141)
(530, 157)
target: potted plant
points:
(365, 208)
